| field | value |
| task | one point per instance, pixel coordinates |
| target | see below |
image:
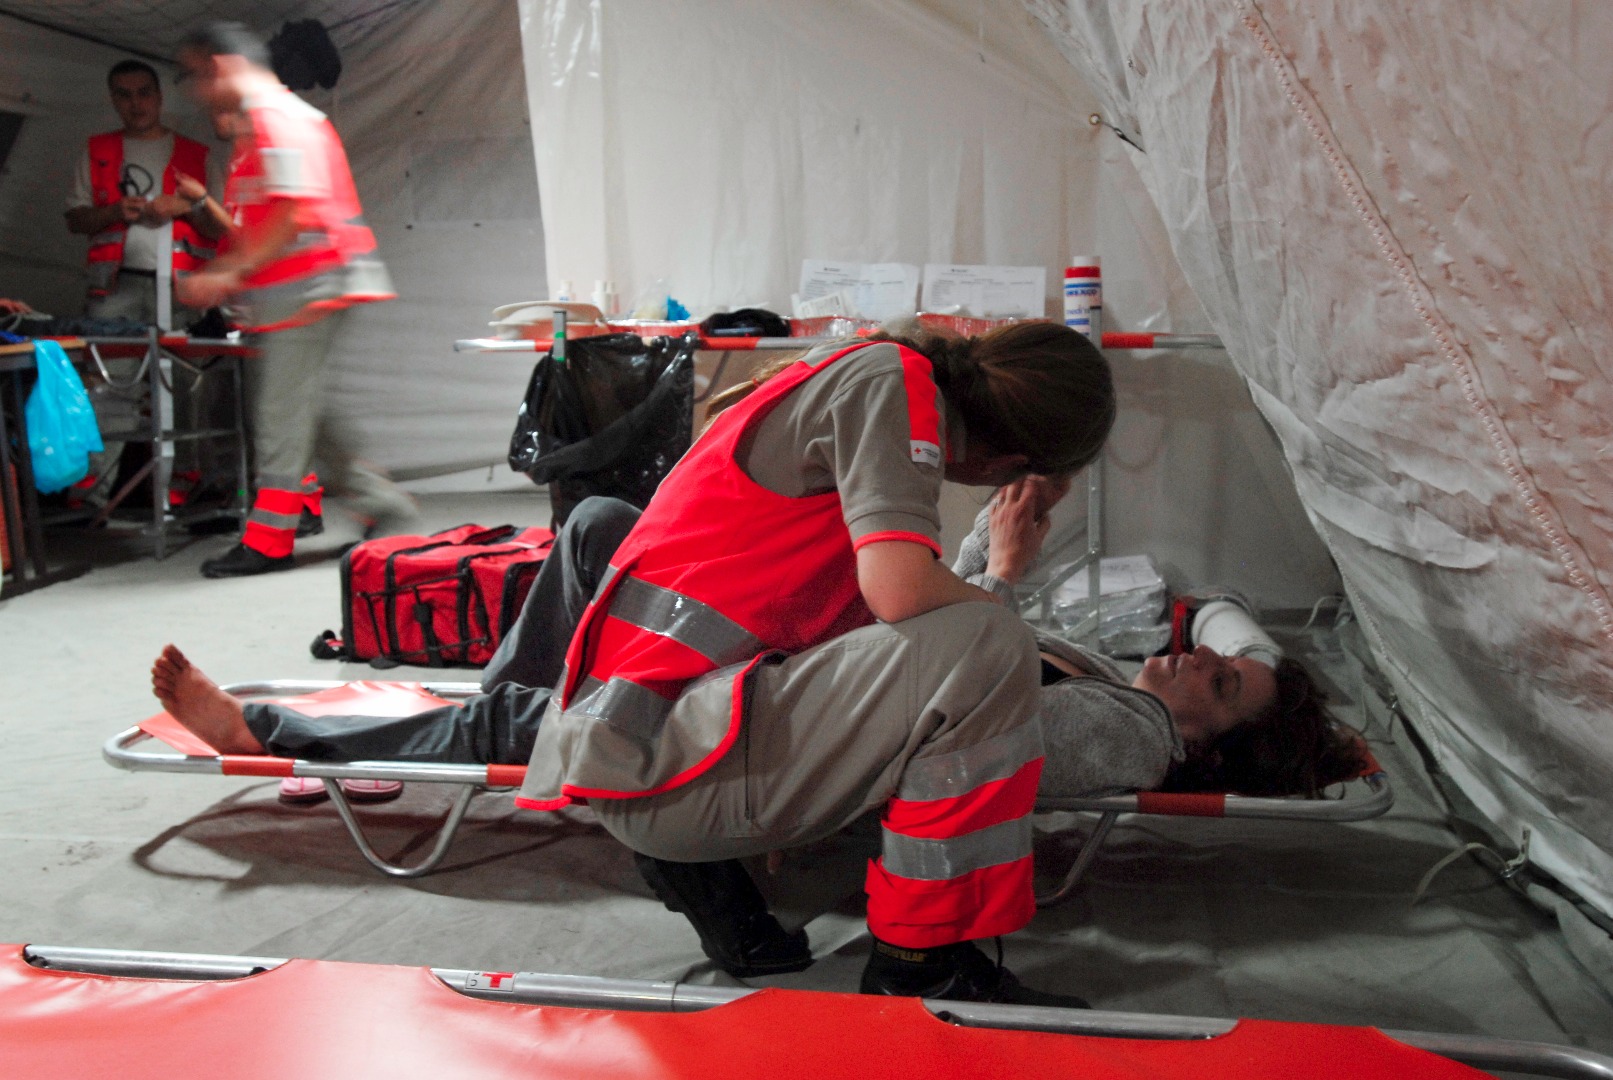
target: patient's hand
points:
(1018, 525)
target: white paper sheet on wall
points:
(986, 292)
(876, 290)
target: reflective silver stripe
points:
(942, 860)
(605, 580)
(950, 775)
(275, 521)
(688, 622)
(623, 705)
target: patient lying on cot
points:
(1193, 721)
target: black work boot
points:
(958, 972)
(736, 930)
(242, 561)
(309, 523)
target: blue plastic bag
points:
(61, 423)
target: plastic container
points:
(1083, 291)
(533, 320)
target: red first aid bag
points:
(447, 598)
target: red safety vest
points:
(718, 571)
(332, 226)
(191, 248)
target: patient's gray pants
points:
(499, 725)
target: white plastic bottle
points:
(1083, 291)
(605, 297)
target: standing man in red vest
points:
(140, 195)
(298, 256)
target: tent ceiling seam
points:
(1533, 499)
(91, 38)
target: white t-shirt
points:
(144, 161)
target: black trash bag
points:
(611, 420)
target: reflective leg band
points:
(271, 527)
(956, 869)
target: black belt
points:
(137, 273)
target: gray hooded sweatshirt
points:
(1102, 735)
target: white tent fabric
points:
(1398, 219)
(717, 145)
(432, 109)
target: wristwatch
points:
(197, 204)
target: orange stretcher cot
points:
(1367, 794)
(153, 1016)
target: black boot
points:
(958, 972)
(242, 561)
(309, 523)
(736, 930)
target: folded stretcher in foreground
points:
(402, 699)
(81, 1012)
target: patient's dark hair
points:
(1033, 388)
(1293, 748)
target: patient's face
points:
(1208, 694)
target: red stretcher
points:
(1366, 795)
(153, 1016)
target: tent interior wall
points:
(1405, 253)
(432, 109)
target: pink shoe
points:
(302, 790)
(372, 790)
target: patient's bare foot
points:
(196, 701)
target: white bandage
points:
(1228, 628)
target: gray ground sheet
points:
(1290, 921)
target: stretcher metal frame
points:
(634, 995)
(121, 751)
(1379, 798)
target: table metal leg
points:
(21, 505)
(161, 366)
(243, 492)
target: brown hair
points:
(1034, 388)
(1295, 747)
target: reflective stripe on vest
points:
(626, 705)
(685, 620)
(922, 859)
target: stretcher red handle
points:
(1182, 804)
(255, 765)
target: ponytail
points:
(1035, 388)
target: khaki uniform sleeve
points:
(869, 427)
